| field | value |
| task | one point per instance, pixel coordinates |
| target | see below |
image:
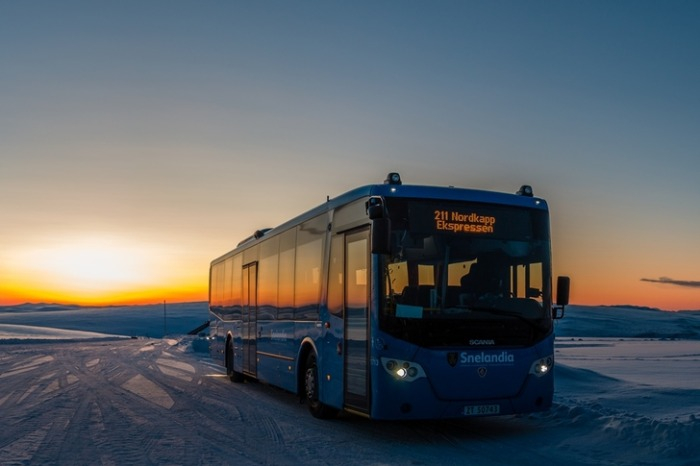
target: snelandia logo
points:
(502, 358)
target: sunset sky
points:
(139, 140)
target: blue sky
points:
(178, 128)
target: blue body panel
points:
(406, 191)
(446, 390)
(453, 379)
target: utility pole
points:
(165, 325)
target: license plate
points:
(481, 410)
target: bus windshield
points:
(466, 274)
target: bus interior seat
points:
(416, 295)
(452, 298)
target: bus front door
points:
(249, 325)
(357, 280)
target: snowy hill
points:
(628, 322)
(153, 321)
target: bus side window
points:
(335, 276)
(268, 269)
(285, 292)
(307, 271)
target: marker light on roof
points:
(525, 190)
(393, 178)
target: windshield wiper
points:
(501, 312)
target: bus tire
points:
(317, 409)
(235, 377)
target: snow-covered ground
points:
(29, 334)
(627, 381)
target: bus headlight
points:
(542, 366)
(403, 370)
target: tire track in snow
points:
(66, 404)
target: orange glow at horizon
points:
(655, 295)
(608, 268)
(100, 271)
(107, 270)
(623, 285)
(118, 298)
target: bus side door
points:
(357, 286)
(250, 321)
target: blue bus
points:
(396, 301)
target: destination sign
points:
(476, 220)
(453, 221)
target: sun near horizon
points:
(99, 271)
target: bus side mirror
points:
(563, 286)
(375, 211)
(381, 236)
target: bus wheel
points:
(236, 377)
(317, 409)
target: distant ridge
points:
(628, 322)
(631, 306)
(46, 307)
(38, 307)
(641, 308)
